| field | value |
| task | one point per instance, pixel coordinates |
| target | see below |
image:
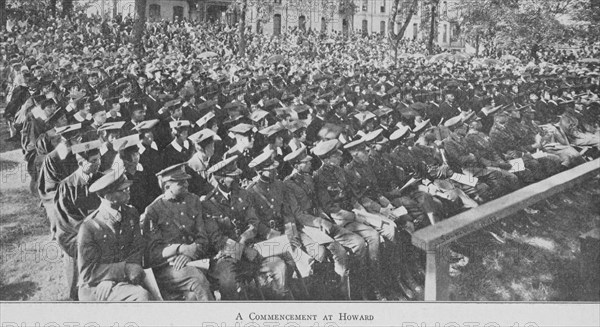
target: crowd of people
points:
(187, 153)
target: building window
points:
(445, 36)
(323, 25)
(177, 12)
(382, 8)
(415, 30)
(277, 2)
(382, 28)
(154, 12)
(445, 8)
(302, 23)
(277, 24)
(365, 27)
(365, 5)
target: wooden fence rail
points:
(434, 240)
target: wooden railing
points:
(434, 240)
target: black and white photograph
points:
(298, 155)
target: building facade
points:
(371, 16)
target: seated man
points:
(302, 187)
(108, 272)
(335, 199)
(234, 210)
(177, 232)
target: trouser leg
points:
(223, 271)
(72, 274)
(273, 278)
(189, 280)
(119, 292)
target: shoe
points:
(531, 211)
(412, 283)
(405, 289)
(379, 295)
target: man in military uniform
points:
(110, 245)
(177, 232)
(73, 202)
(233, 208)
(302, 187)
(335, 200)
(275, 210)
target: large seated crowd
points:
(181, 152)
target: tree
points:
(139, 25)
(433, 24)
(346, 10)
(2, 15)
(401, 10)
(242, 29)
(67, 8)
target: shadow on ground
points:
(17, 291)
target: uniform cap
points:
(453, 121)
(421, 125)
(173, 173)
(372, 136)
(112, 181)
(400, 132)
(298, 155)
(354, 144)
(227, 167)
(325, 148)
(264, 161)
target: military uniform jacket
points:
(235, 216)
(73, 203)
(458, 154)
(332, 188)
(362, 179)
(166, 222)
(480, 145)
(103, 250)
(274, 207)
(302, 188)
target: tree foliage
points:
(512, 23)
(402, 12)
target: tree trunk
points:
(51, 7)
(242, 29)
(432, 29)
(115, 11)
(139, 25)
(67, 8)
(394, 38)
(3, 15)
(477, 45)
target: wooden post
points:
(437, 276)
